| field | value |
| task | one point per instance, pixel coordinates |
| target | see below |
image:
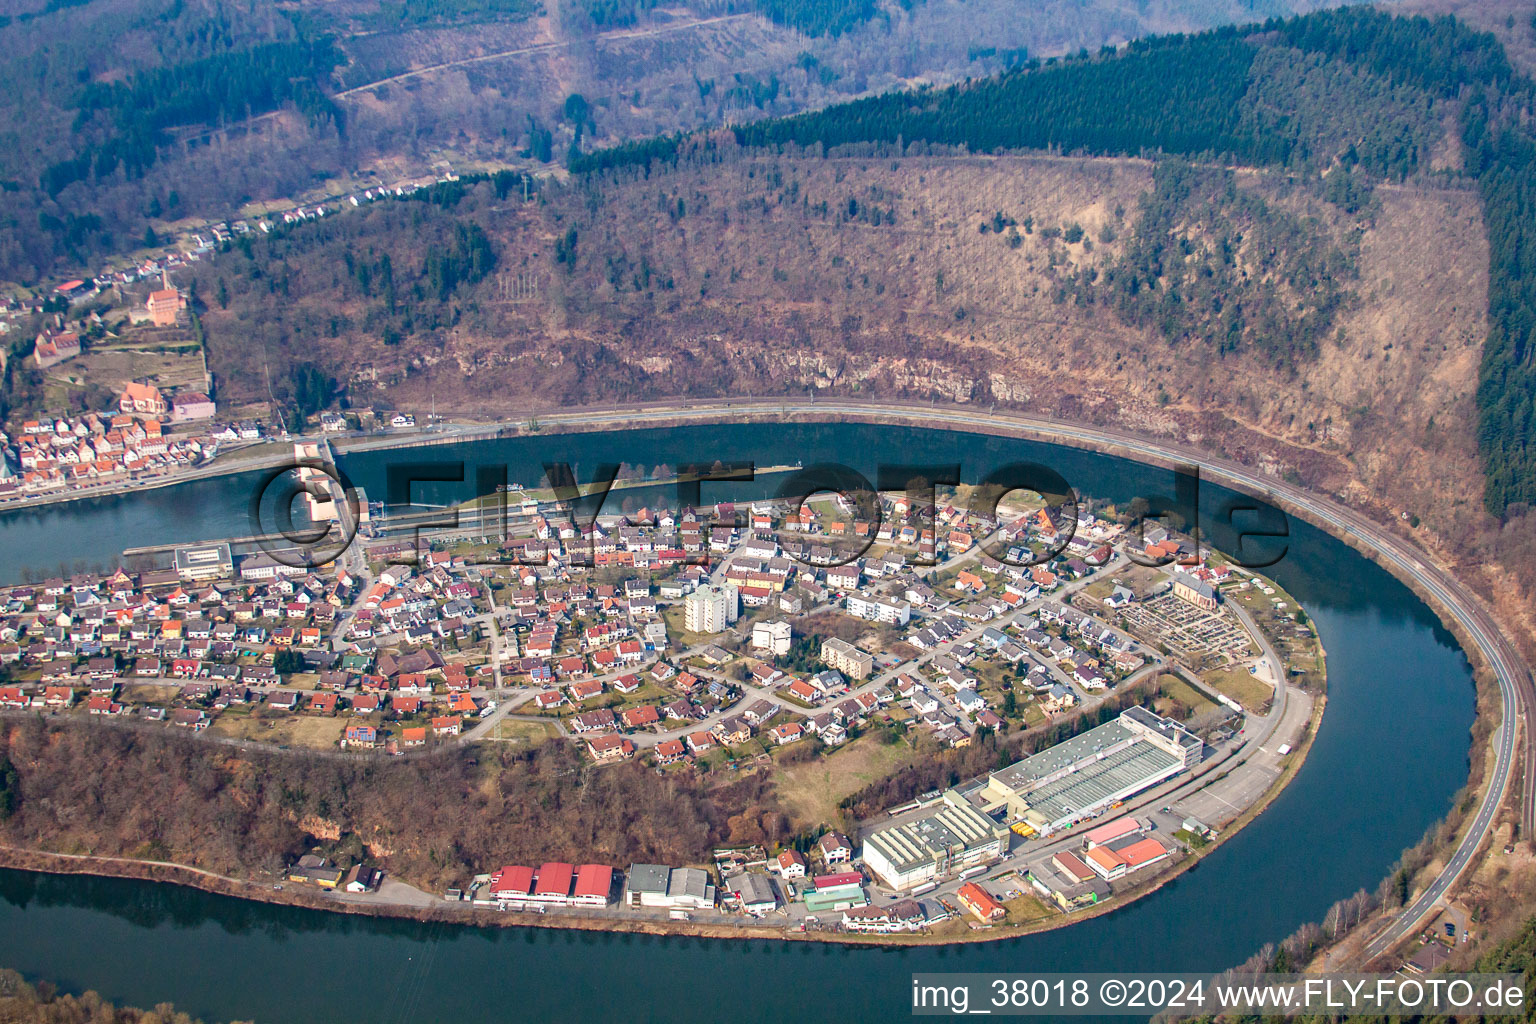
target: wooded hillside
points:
(1187, 95)
(118, 116)
(433, 820)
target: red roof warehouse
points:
(552, 885)
(594, 883)
(555, 880)
(512, 882)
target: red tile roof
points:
(645, 714)
(555, 879)
(594, 880)
(1106, 858)
(980, 901)
(1073, 865)
(1112, 830)
(513, 879)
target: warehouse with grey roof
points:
(1088, 773)
(953, 838)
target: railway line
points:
(1454, 600)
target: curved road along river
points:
(1401, 558)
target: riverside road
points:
(1454, 600)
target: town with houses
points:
(179, 250)
(149, 433)
(145, 438)
(191, 244)
(722, 640)
(45, 457)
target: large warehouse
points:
(954, 838)
(656, 885)
(1086, 774)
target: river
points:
(1389, 758)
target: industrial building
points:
(756, 893)
(204, 562)
(1112, 831)
(1120, 858)
(555, 884)
(1072, 886)
(656, 885)
(1083, 776)
(840, 890)
(955, 837)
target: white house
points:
(773, 637)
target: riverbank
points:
(1358, 803)
(1460, 609)
(1455, 605)
(166, 872)
(163, 872)
(243, 460)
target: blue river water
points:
(1388, 761)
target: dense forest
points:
(213, 90)
(1198, 96)
(1194, 111)
(397, 14)
(818, 17)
